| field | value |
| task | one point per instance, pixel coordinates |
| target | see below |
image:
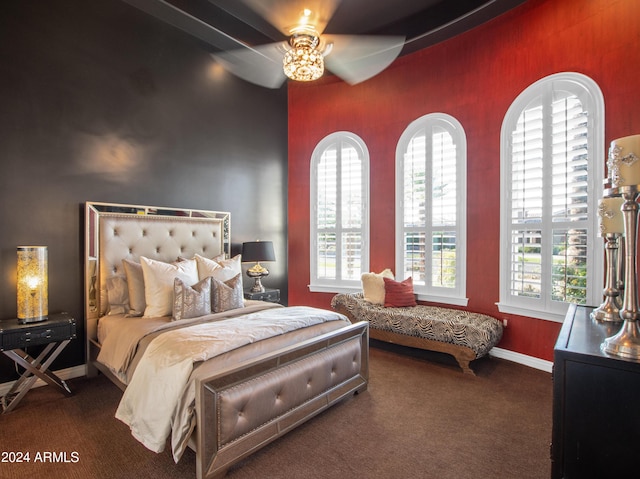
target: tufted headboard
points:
(116, 232)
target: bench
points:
(464, 335)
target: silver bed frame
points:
(328, 368)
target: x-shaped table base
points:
(34, 369)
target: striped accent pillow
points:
(398, 294)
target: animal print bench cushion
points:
(476, 331)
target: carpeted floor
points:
(420, 418)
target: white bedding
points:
(160, 396)
(120, 335)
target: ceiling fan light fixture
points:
(303, 62)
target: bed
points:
(224, 381)
(464, 335)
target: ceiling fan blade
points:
(260, 65)
(356, 58)
(286, 14)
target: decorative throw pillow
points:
(158, 283)
(135, 284)
(398, 294)
(220, 268)
(191, 301)
(373, 286)
(117, 294)
(226, 295)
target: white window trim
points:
(455, 296)
(591, 93)
(338, 286)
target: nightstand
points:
(54, 333)
(270, 295)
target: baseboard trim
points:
(520, 358)
(64, 374)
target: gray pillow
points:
(227, 295)
(191, 301)
(117, 294)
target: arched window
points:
(431, 159)
(552, 167)
(339, 213)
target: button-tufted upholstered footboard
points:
(246, 407)
(464, 335)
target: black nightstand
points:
(270, 295)
(55, 333)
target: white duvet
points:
(120, 335)
(161, 378)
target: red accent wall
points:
(473, 77)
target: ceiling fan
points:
(306, 53)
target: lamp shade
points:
(256, 251)
(32, 284)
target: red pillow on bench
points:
(398, 294)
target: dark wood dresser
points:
(596, 403)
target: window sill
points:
(443, 299)
(334, 289)
(531, 313)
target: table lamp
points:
(257, 251)
(32, 284)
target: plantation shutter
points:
(340, 214)
(569, 199)
(327, 213)
(415, 205)
(549, 194)
(430, 208)
(444, 209)
(351, 217)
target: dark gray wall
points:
(99, 102)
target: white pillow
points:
(373, 285)
(222, 269)
(135, 283)
(158, 283)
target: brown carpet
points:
(420, 418)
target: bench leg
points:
(464, 364)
